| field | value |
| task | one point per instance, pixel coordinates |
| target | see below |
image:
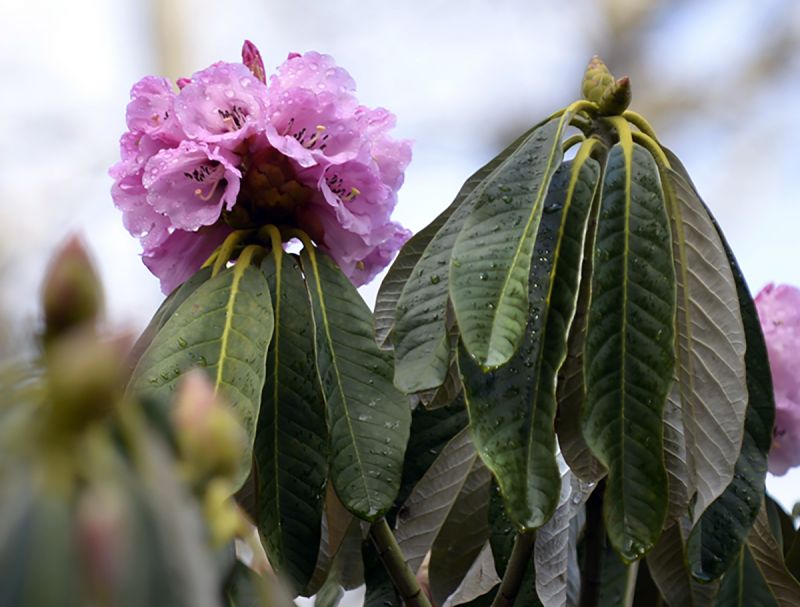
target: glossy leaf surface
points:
(629, 348)
(512, 409)
(422, 354)
(491, 261)
(225, 327)
(290, 453)
(368, 418)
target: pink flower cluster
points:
(228, 150)
(779, 313)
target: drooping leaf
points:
(629, 348)
(421, 348)
(675, 457)
(718, 535)
(667, 562)
(225, 327)
(400, 271)
(336, 522)
(512, 409)
(368, 418)
(463, 535)
(743, 585)
(570, 388)
(290, 452)
(431, 430)
(768, 558)
(164, 312)
(424, 512)
(711, 344)
(480, 580)
(491, 259)
(451, 388)
(555, 544)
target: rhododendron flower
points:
(779, 312)
(230, 149)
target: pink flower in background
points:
(230, 148)
(779, 313)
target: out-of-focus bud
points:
(224, 520)
(103, 539)
(210, 438)
(596, 80)
(84, 379)
(71, 294)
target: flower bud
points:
(596, 80)
(252, 59)
(616, 98)
(84, 379)
(210, 438)
(71, 294)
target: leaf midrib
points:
(238, 273)
(565, 117)
(335, 364)
(580, 161)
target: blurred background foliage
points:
(716, 78)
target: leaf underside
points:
(711, 344)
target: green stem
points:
(518, 562)
(403, 579)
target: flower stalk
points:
(518, 562)
(403, 579)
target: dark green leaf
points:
(630, 353)
(512, 409)
(225, 327)
(491, 259)
(290, 453)
(743, 585)
(422, 354)
(164, 312)
(368, 418)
